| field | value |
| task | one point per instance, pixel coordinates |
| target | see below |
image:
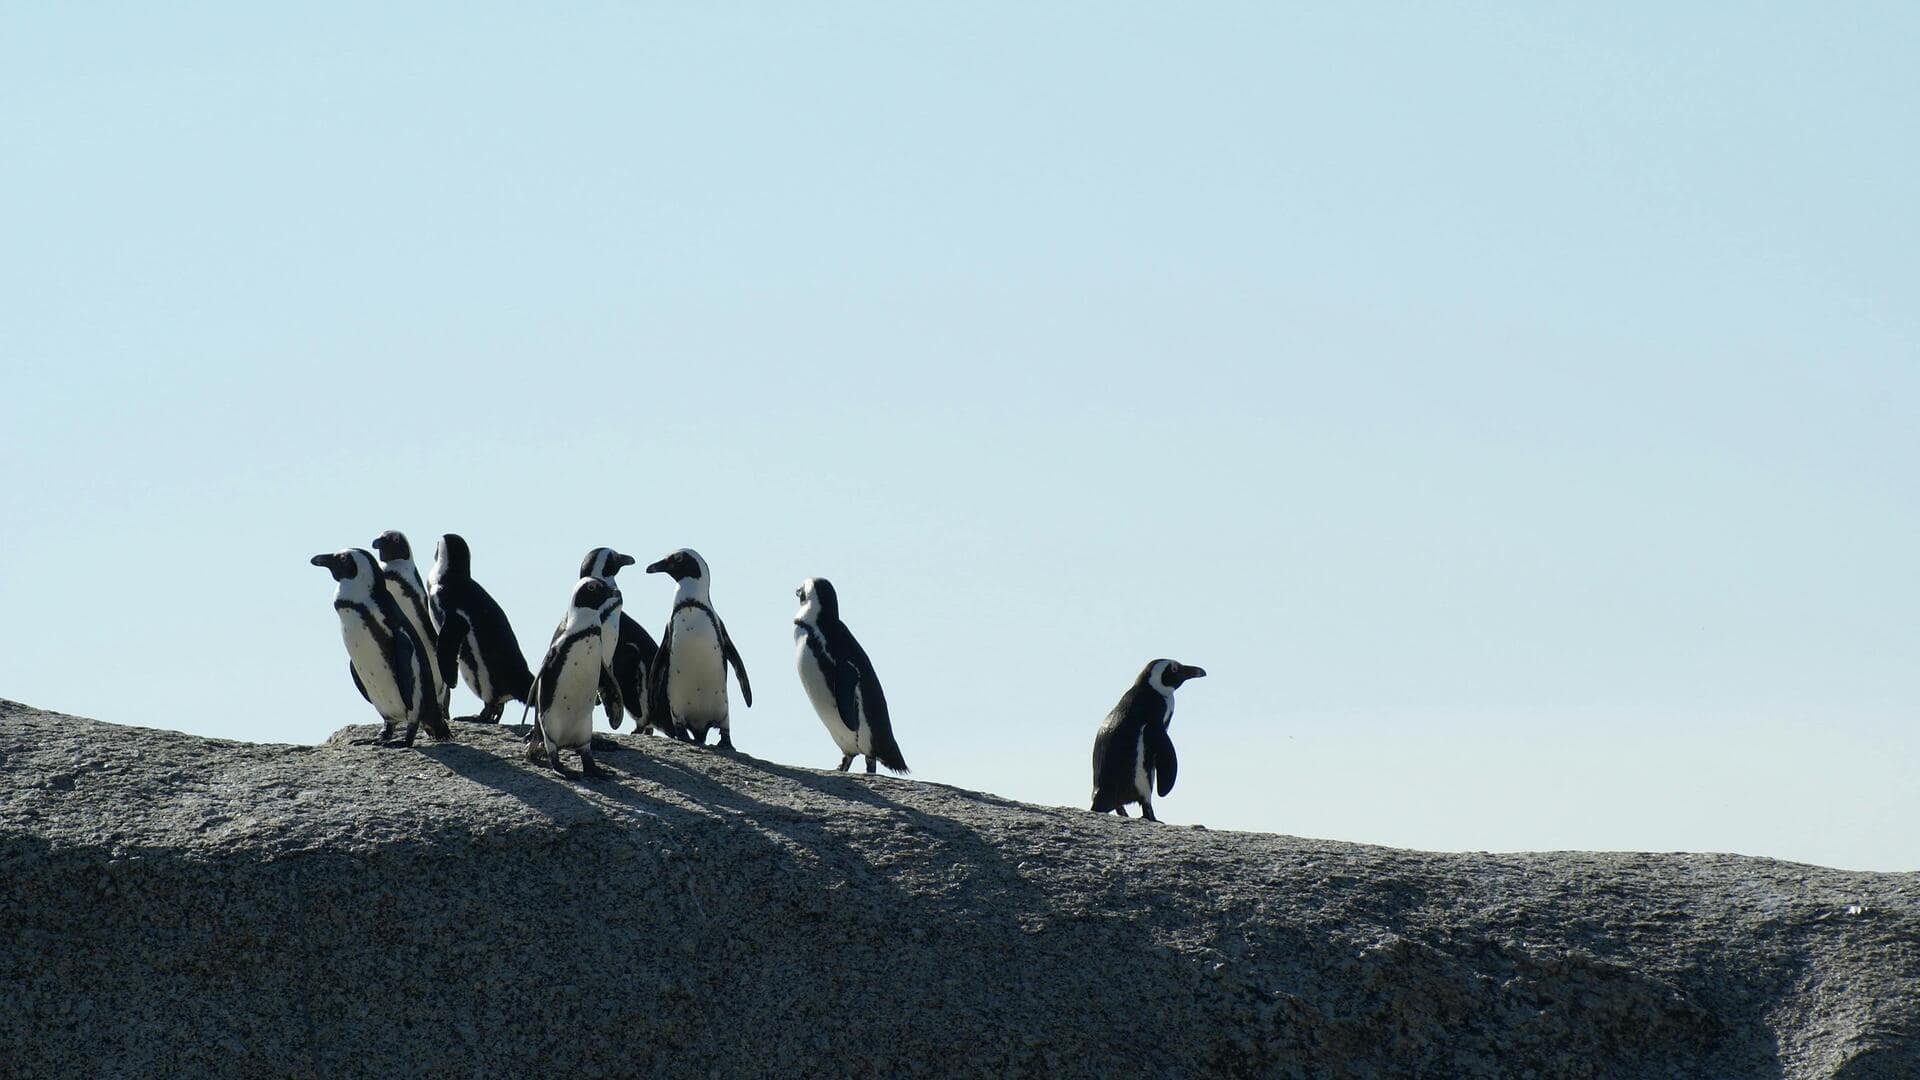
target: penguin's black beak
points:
(337, 565)
(659, 567)
(1194, 672)
(620, 560)
(321, 560)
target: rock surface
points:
(173, 905)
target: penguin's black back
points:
(490, 633)
(873, 700)
(1141, 709)
(631, 658)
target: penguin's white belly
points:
(697, 673)
(568, 722)
(820, 692)
(370, 661)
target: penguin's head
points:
(683, 565)
(592, 593)
(392, 545)
(348, 564)
(818, 602)
(451, 560)
(1167, 675)
(603, 562)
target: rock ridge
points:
(180, 905)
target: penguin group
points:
(410, 641)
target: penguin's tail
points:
(887, 752)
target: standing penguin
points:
(404, 584)
(474, 630)
(1132, 751)
(634, 653)
(840, 680)
(607, 691)
(389, 665)
(573, 674)
(687, 683)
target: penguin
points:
(840, 681)
(605, 688)
(687, 682)
(474, 632)
(1132, 753)
(389, 665)
(573, 675)
(404, 584)
(635, 650)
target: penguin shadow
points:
(860, 788)
(557, 798)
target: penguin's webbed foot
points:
(872, 765)
(553, 762)
(1122, 811)
(726, 740)
(592, 769)
(846, 762)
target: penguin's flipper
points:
(846, 693)
(357, 684)
(659, 713)
(453, 634)
(733, 657)
(401, 652)
(1165, 764)
(610, 698)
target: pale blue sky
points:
(1514, 412)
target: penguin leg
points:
(846, 762)
(1122, 811)
(412, 730)
(553, 762)
(588, 766)
(872, 765)
(726, 740)
(1146, 811)
(490, 713)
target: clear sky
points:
(1515, 413)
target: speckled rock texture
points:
(179, 906)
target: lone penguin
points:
(404, 584)
(634, 653)
(389, 665)
(840, 680)
(687, 683)
(573, 675)
(1133, 754)
(474, 632)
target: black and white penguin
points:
(574, 675)
(687, 683)
(404, 584)
(474, 630)
(840, 680)
(1132, 754)
(634, 653)
(389, 665)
